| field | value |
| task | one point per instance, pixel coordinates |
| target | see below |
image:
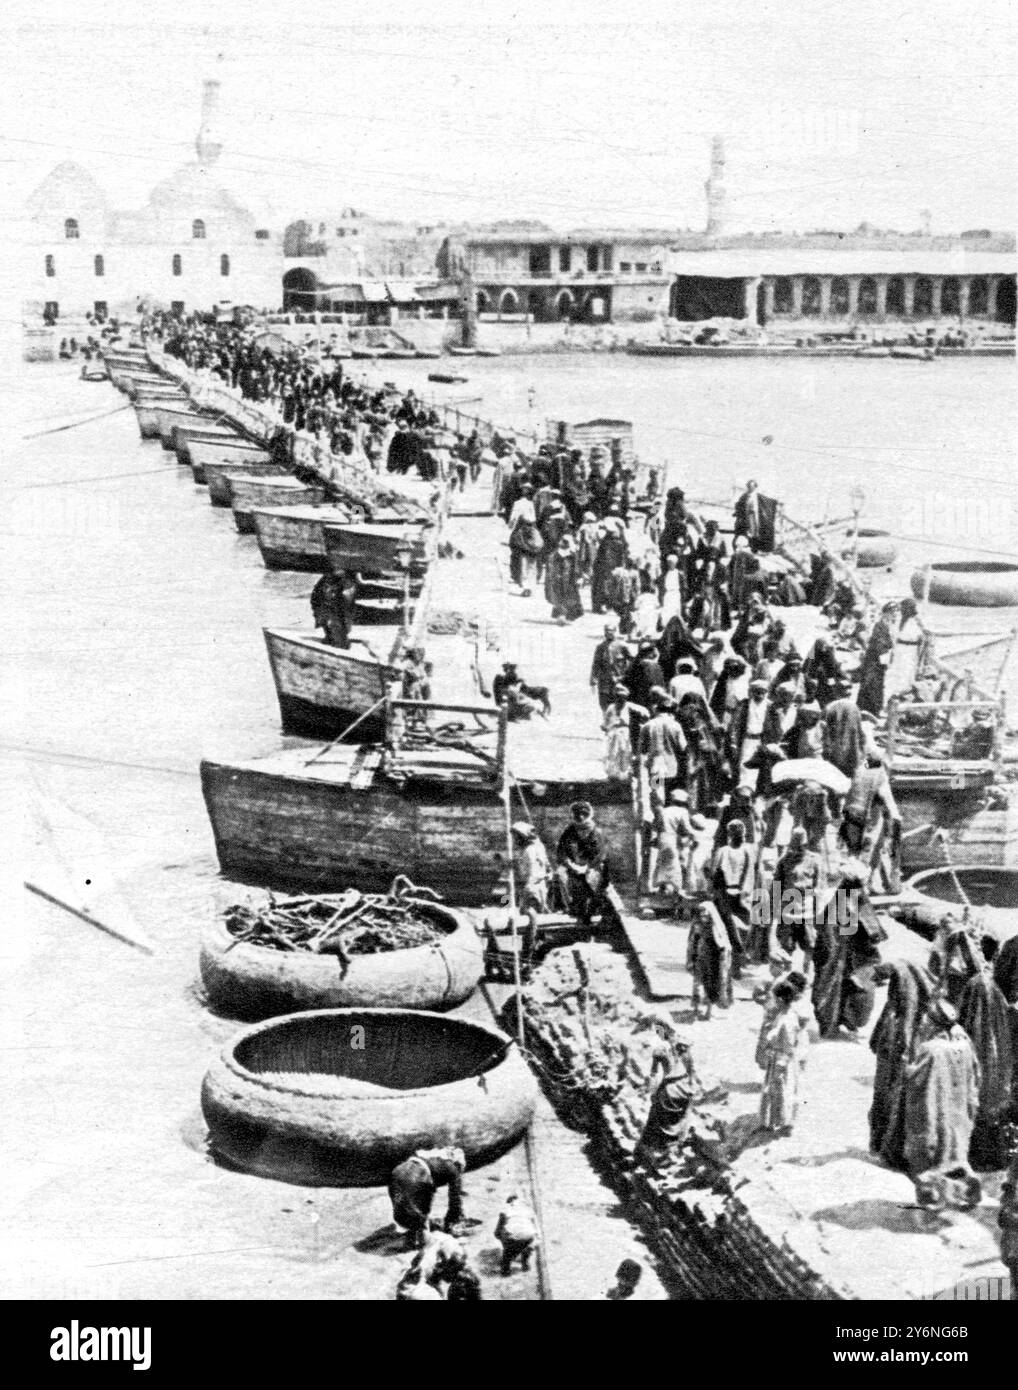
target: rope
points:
(58, 429)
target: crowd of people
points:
(766, 798)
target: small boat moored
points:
(248, 493)
(323, 690)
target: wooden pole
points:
(892, 729)
(513, 925)
(92, 921)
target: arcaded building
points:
(191, 246)
(852, 280)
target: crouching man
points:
(412, 1188)
(516, 1231)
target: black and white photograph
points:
(510, 663)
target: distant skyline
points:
(832, 114)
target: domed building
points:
(190, 247)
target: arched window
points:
(839, 296)
(71, 228)
(50, 266)
(198, 229)
(224, 265)
(100, 265)
(177, 265)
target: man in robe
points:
(844, 744)
(983, 1013)
(895, 1040)
(1008, 1220)
(412, 1188)
(941, 1104)
(845, 957)
(583, 870)
(663, 747)
(611, 553)
(645, 676)
(610, 665)
(876, 659)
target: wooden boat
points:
(914, 354)
(322, 690)
(447, 378)
(386, 611)
(147, 413)
(90, 372)
(248, 493)
(462, 351)
(427, 354)
(349, 814)
(293, 538)
(237, 464)
(373, 548)
(172, 415)
(219, 436)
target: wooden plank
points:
(660, 951)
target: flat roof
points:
(743, 262)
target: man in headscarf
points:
(663, 746)
(611, 553)
(583, 870)
(895, 1041)
(941, 1104)
(561, 587)
(844, 744)
(531, 868)
(983, 1013)
(846, 954)
(645, 676)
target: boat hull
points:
(292, 539)
(374, 548)
(184, 436)
(974, 829)
(249, 494)
(291, 828)
(219, 475)
(322, 690)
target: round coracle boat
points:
(933, 895)
(246, 980)
(876, 550)
(338, 1097)
(971, 584)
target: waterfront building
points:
(191, 246)
(584, 276)
(847, 281)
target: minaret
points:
(715, 188)
(208, 145)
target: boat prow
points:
(324, 690)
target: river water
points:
(132, 626)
